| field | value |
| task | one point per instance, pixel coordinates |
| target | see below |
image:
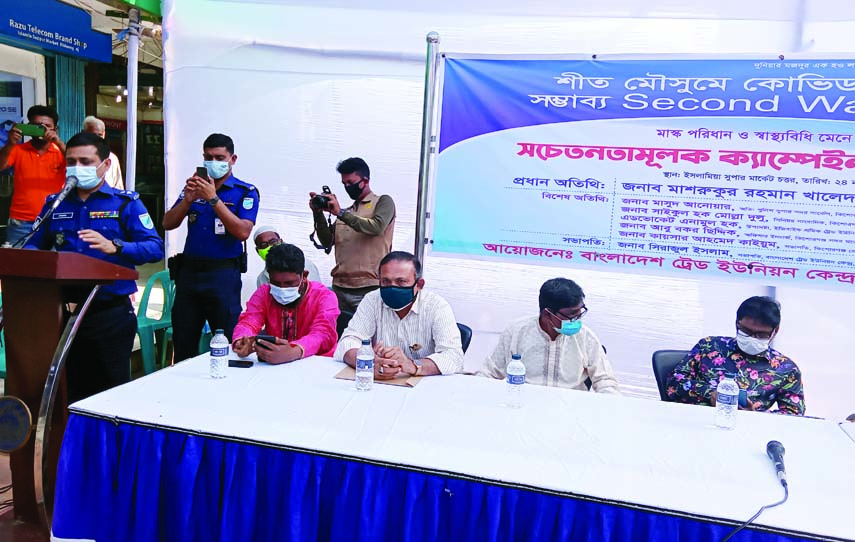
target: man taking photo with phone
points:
(220, 210)
(361, 234)
(39, 168)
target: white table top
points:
(659, 455)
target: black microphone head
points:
(774, 448)
(71, 181)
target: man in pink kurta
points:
(301, 314)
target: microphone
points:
(775, 451)
(70, 184)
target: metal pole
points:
(428, 144)
(799, 26)
(133, 60)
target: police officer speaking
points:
(112, 225)
(220, 211)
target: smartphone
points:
(241, 363)
(32, 130)
(326, 189)
(743, 398)
(202, 172)
(269, 338)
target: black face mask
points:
(354, 190)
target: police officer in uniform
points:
(112, 225)
(220, 211)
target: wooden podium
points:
(32, 282)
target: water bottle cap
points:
(219, 332)
(366, 342)
(516, 356)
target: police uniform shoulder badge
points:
(145, 220)
(248, 203)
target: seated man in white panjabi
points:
(557, 349)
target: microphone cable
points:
(757, 515)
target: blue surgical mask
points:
(397, 297)
(217, 170)
(569, 327)
(87, 176)
(285, 296)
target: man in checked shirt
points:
(413, 331)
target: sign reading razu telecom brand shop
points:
(730, 169)
(54, 26)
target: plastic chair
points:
(465, 335)
(147, 327)
(664, 362)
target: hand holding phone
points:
(202, 173)
(267, 338)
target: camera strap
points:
(314, 241)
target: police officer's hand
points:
(281, 352)
(97, 241)
(204, 189)
(244, 346)
(334, 207)
(312, 207)
(14, 136)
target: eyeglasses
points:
(763, 335)
(271, 243)
(571, 318)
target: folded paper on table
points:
(349, 373)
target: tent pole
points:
(428, 144)
(133, 61)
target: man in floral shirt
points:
(764, 374)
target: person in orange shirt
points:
(39, 170)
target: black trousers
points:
(200, 296)
(100, 356)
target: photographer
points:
(361, 234)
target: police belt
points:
(192, 263)
(108, 303)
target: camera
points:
(322, 201)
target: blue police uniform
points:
(208, 284)
(99, 358)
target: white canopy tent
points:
(301, 85)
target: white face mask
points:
(285, 296)
(217, 170)
(751, 345)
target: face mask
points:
(87, 176)
(354, 190)
(285, 296)
(751, 345)
(263, 252)
(397, 297)
(217, 170)
(569, 327)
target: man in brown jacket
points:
(361, 234)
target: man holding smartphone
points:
(39, 168)
(220, 210)
(361, 234)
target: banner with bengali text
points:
(700, 168)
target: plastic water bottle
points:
(726, 402)
(516, 379)
(219, 354)
(364, 366)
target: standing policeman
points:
(220, 211)
(112, 225)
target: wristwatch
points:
(341, 212)
(418, 364)
(119, 244)
(213, 201)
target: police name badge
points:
(248, 203)
(145, 220)
(219, 227)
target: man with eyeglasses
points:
(557, 349)
(765, 375)
(361, 234)
(267, 237)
